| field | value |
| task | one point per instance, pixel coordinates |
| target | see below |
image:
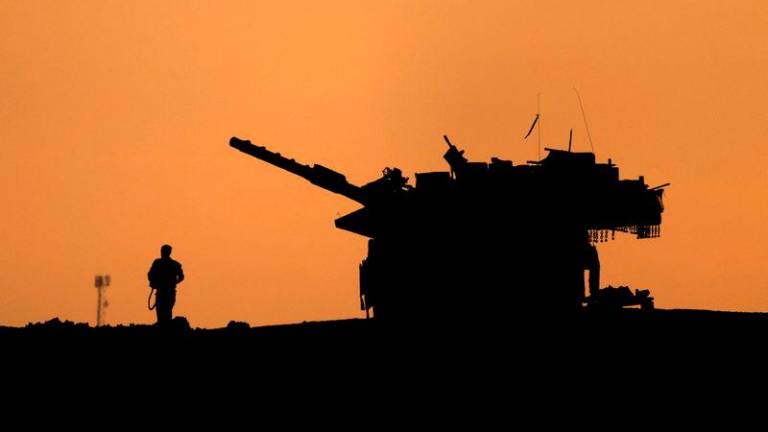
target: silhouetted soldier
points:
(163, 276)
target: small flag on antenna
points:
(533, 125)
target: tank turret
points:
(485, 237)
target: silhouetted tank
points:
(485, 238)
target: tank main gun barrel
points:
(317, 174)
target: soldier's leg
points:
(171, 303)
(158, 308)
(163, 307)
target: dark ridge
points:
(626, 351)
(627, 329)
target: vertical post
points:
(98, 308)
(99, 284)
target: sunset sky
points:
(115, 118)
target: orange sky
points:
(115, 118)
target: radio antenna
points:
(584, 116)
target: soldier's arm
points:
(150, 274)
(180, 275)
